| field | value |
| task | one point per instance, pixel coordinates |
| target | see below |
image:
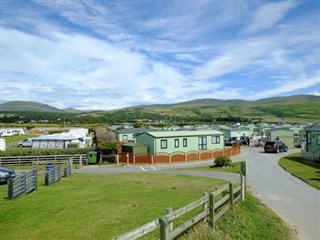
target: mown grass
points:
(235, 168)
(97, 206)
(306, 170)
(19, 138)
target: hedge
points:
(40, 152)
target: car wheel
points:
(20, 145)
(286, 149)
(278, 150)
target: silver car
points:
(27, 142)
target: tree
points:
(105, 140)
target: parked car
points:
(6, 173)
(275, 146)
(231, 141)
(235, 140)
(27, 142)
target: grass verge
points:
(306, 170)
(249, 220)
(235, 168)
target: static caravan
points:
(54, 141)
(182, 141)
(313, 139)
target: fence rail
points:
(214, 205)
(23, 184)
(26, 160)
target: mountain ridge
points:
(32, 106)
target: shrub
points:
(222, 161)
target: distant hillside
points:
(207, 102)
(299, 108)
(19, 106)
(297, 99)
(292, 108)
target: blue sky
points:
(104, 54)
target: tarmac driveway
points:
(292, 199)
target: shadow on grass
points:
(314, 179)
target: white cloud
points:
(98, 54)
(236, 57)
(288, 86)
(85, 68)
(316, 93)
(267, 15)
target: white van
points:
(27, 142)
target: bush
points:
(222, 161)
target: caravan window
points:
(164, 144)
(202, 143)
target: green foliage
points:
(222, 161)
(55, 131)
(73, 145)
(105, 140)
(39, 152)
(107, 145)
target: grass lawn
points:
(308, 171)
(97, 206)
(234, 169)
(19, 138)
(103, 206)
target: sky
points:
(111, 54)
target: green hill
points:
(293, 108)
(299, 108)
(18, 106)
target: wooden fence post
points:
(211, 210)
(231, 195)
(164, 229)
(80, 161)
(205, 205)
(243, 189)
(46, 180)
(10, 188)
(243, 179)
(170, 224)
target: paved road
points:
(293, 200)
